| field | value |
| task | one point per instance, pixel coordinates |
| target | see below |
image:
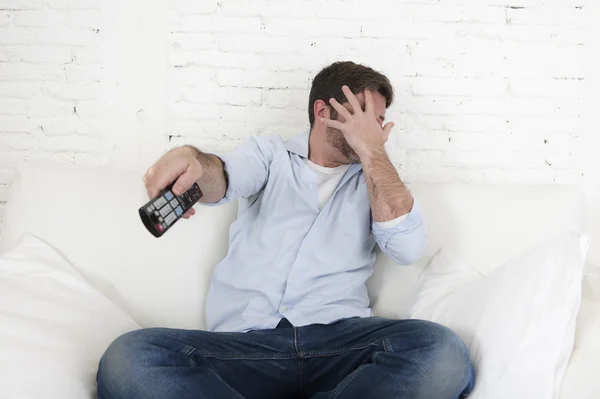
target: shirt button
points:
(283, 309)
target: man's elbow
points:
(408, 252)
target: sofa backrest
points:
(90, 215)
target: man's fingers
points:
(352, 99)
(388, 127)
(340, 109)
(185, 181)
(191, 212)
(162, 174)
(333, 123)
(369, 105)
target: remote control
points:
(160, 213)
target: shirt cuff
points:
(391, 223)
(411, 221)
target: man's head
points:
(328, 84)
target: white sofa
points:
(90, 215)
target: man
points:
(287, 309)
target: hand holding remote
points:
(179, 166)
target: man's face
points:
(336, 138)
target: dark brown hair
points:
(328, 84)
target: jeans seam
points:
(336, 352)
(285, 356)
(387, 345)
(233, 391)
(299, 356)
(338, 390)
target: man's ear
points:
(321, 110)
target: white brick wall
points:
(488, 90)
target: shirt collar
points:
(299, 144)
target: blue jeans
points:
(359, 358)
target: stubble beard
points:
(336, 139)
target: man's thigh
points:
(329, 353)
(256, 364)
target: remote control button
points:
(174, 203)
(150, 209)
(164, 211)
(170, 218)
(169, 195)
(156, 214)
(178, 211)
(160, 219)
(164, 225)
(159, 227)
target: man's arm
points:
(389, 197)
(405, 239)
(240, 173)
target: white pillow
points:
(53, 326)
(518, 321)
(581, 381)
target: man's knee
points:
(123, 365)
(443, 357)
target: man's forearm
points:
(213, 182)
(389, 197)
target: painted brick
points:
(361, 10)
(74, 4)
(17, 124)
(286, 99)
(546, 16)
(449, 14)
(11, 106)
(298, 27)
(18, 141)
(209, 23)
(6, 18)
(263, 44)
(40, 18)
(215, 59)
(62, 36)
(23, 90)
(286, 8)
(194, 41)
(260, 79)
(46, 107)
(192, 76)
(460, 87)
(37, 54)
(29, 72)
(412, 30)
(77, 143)
(85, 19)
(195, 7)
(71, 91)
(22, 4)
(222, 95)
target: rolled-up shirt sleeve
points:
(247, 168)
(405, 242)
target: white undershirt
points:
(328, 180)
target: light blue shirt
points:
(289, 259)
